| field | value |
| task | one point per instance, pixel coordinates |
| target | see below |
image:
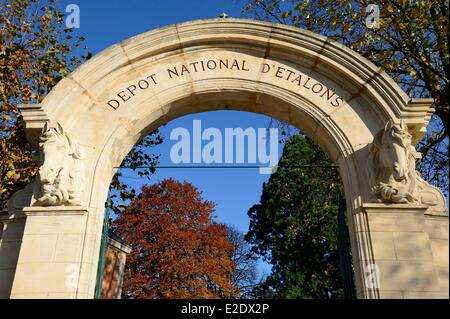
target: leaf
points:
(12, 175)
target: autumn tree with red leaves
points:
(178, 251)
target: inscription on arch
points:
(292, 79)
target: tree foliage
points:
(245, 275)
(36, 51)
(178, 251)
(142, 162)
(295, 226)
(410, 44)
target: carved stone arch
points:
(337, 97)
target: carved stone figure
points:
(59, 178)
(392, 165)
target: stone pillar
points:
(51, 253)
(398, 256)
(11, 231)
(438, 230)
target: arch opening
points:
(233, 186)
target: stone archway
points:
(398, 223)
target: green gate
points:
(103, 246)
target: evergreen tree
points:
(295, 225)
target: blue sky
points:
(104, 23)
(234, 190)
